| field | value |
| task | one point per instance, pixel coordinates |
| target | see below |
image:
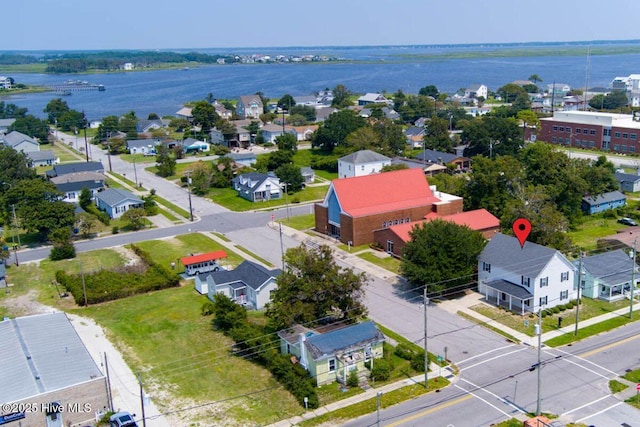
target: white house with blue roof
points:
(331, 356)
(525, 278)
(249, 284)
(115, 202)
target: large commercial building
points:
(617, 133)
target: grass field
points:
(387, 262)
(300, 222)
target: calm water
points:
(164, 92)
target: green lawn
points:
(300, 222)
(592, 330)
(387, 262)
(593, 228)
(228, 197)
(617, 386)
(633, 376)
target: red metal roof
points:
(383, 192)
(479, 219)
(209, 256)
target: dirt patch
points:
(128, 255)
(25, 305)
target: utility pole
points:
(13, 236)
(109, 150)
(575, 332)
(135, 171)
(633, 276)
(144, 420)
(539, 331)
(426, 354)
(189, 193)
(109, 393)
(84, 127)
(378, 396)
(84, 289)
(281, 245)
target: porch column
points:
(510, 299)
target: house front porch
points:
(506, 294)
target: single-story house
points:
(439, 157)
(248, 284)
(143, 146)
(304, 133)
(190, 145)
(323, 112)
(4, 125)
(272, 131)
(603, 202)
(143, 126)
(72, 184)
(244, 159)
(415, 136)
(608, 275)
(429, 169)
(20, 142)
(363, 162)
(222, 110)
(373, 98)
(308, 100)
(116, 202)
(354, 208)
(41, 158)
(393, 239)
(185, 113)
(308, 174)
(66, 168)
(257, 187)
(331, 356)
(525, 278)
(628, 182)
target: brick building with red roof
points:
(393, 239)
(354, 208)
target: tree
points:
(291, 175)
(437, 135)
(108, 126)
(510, 92)
(273, 160)
(306, 111)
(441, 255)
(153, 116)
(334, 130)
(430, 90)
(522, 102)
(165, 162)
(14, 167)
(85, 198)
(127, 124)
(287, 142)
(535, 78)
(179, 124)
(201, 175)
(492, 136)
(32, 126)
(313, 289)
(286, 102)
(72, 121)
(392, 140)
(135, 218)
(11, 111)
(364, 138)
(341, 96)
(85, 222)
(612, 101)
(205, 116)
(62, 245)
(55, 109)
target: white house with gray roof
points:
(527, 278)
(115, 202)
(143, 146)
(20, 142)
(44, 361)
(360, 163)
(248, 284)
(4, 125)
(257, 187)
(42, 158)
(608, 276)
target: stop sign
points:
(638, 386)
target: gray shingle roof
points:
(40, 354)
(66, 168)
(251, 274)
(510, 289)
(612, 267)
(436, 156)
(505, 251)
(343, 340)
(40, 156)
(14, 138)
(139, 143)
(113, 196)
(67, 187)
(626, 177)
(612, 196)
(364, 156)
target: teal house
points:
(330, 356)
(608, 276)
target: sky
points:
(163, 24)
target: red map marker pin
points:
(522, 229)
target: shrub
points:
(352, 379)
(555, 310)
(417, 362)
(66, 251)
(569, 305)
(405, 351)
(207, 308)
(115, 229)
(381, 370)
(544, 314)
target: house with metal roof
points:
(525, 278)
(44, 364)
(440, 157)
(66, 168)
(608, 275)
(257, 187)
(603, 202)
(360, 163)
(373, 98)
(354, 207)
(393, 239)
(249, 284)
(331, 356)
(115, 202)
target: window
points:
(625, 135)
(384, 224)
(616, 147)
(543, 300)
(592, 132)
(617, 134)
(592, 144)
(568, 130)
(564, 295)
(332, 364)
(407, 219)
(486, 267)
(632, 149)
(555, 128)
(564, 276)
(634, 136)
(606, 132)
(561, 129)
(544, 281)
(553, 139)
(395, 222)
(525, 281)
(578, 130)
(362, 168)
(623, 148)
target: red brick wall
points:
(383, 235)
(448, 208)
(362, 230)
(322, 219)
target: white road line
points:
(587, 369)
(492, 394)
(598, 413)
(588, 361)
(484, 400)
(585, 405)
(493, 358)
(482, 354)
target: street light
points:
(378, 396)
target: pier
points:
(70, 86)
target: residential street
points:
(494, 383)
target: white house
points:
(257, 187)
(143, 146)
(248, 284)
(20, 142)
(5, 82)
(271, 132)
(476, 91)
(360, 163)
(527, 278)
(373, 98)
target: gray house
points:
(20, 142)
(116, 202)
(66, 168)
(628, 182)
(72, 184)
(608, 275)
(41, 158)
(249, 284)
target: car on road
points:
(122, 419)
(627, 221)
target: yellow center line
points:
(607, 347)
(429, 411)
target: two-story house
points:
(525, 278)
(249, 106)
(360, 163)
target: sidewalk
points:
(371, 393)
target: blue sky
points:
(163, 24)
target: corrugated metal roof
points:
(343, 340)
(209, 256)
(40, 354)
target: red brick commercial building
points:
(618, 133)
(354, 208)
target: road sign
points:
(638, 386)
(273, 217)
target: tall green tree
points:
(341, 96)
(429, 90)
(291, 175)
(313, 289)
(33, 127)
(286, 102)
(334, 130)
(287, 141)
(510, 92)
(437, 135)
(441, 255)
(165, 161)
(55, 109)
(11, 111)
(205, 116)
